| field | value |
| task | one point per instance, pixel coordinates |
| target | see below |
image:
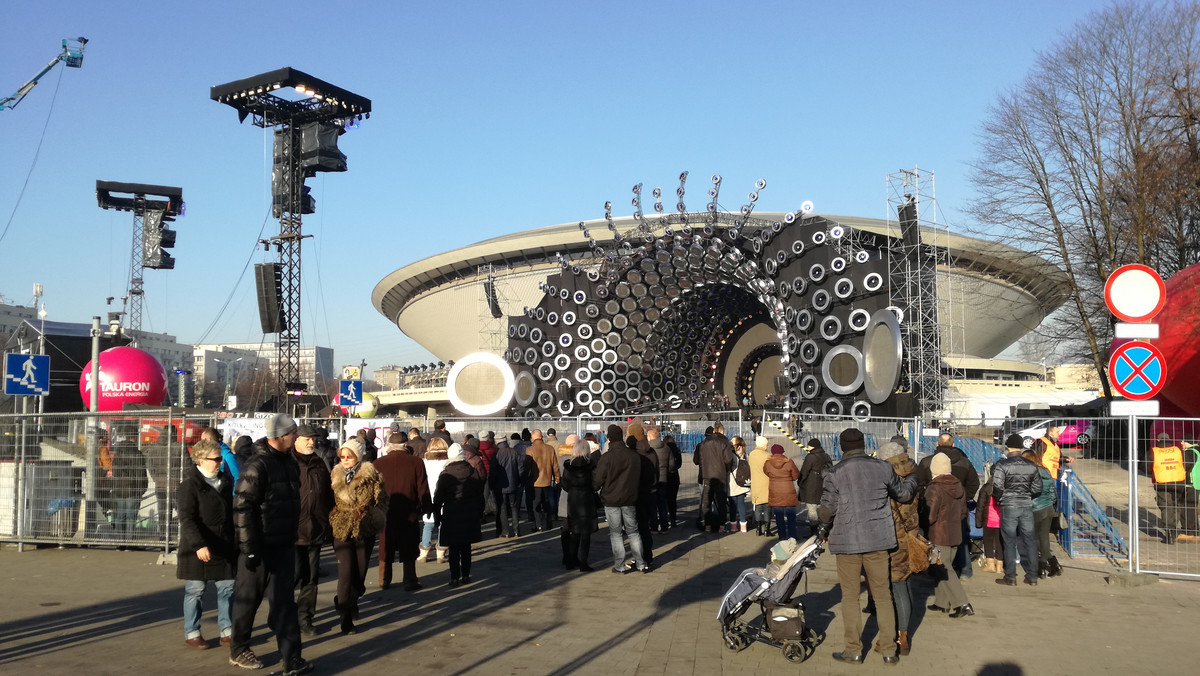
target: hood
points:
(657, 443)
(902, 465)
(957, 490)
(389, 448)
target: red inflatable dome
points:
(1179, 341)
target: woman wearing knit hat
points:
(458, 507)
(947, 500)
(360, 504)
(758, 486)
(739, 487)
(782, 474)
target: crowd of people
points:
(255, 520)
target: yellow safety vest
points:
(1168, 465)
(1051, 457)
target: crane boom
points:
(71, 55)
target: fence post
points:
(1135, 563)
(19, 507)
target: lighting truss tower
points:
(307, 115)
(920, 253)
(150, 234)
(492, 301)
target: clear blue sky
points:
(490, 118)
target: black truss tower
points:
(315, 101)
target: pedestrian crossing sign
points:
(27, 374)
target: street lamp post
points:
(230, 367)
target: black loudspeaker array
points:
(493, 303)
(269, 286)
(653, 325)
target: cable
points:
(236, 284)
(37, 152)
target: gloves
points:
(252, 561)
(823, 531)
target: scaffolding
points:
(492, 301)
(921, 287)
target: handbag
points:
(921, 553)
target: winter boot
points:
(902, 642)
(743, 526)
(423, 554)
(1053, 568)
(442, 553)
(1043, 570)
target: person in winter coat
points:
(904, 514)
(437, 455)
(672, 488)
(782, 474)
(856, 514)
(128, 483)
(506, 483)
(661, 516)
(1044, 512)
(229, 461)
(1015, 483)
(458, 506)
(758, 486)
(579, 506)
(266, 509)
(206, 548)
(312, 531)
(243, 448)
(618, 479)
(408, 499)
(545, 479)
(647, 509)
(964, 471)
(987, 518)
(416, 444)
(947, 502)
(439, 430)
(359, 515)
(715, 458)
(812, 477)
(739, 487)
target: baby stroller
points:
(781, 623)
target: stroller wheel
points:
(793, 652)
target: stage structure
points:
(153, 207)
(307, 115)
(648, 321)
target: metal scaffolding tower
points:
(492, 302)
(918, 263)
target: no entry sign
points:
(1137, 370)
(1135, 293)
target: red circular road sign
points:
(1137, 370)
(1135, 293)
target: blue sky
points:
(489, 118)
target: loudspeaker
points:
(909, 231)
(268, 283)
(493, 303)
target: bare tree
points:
(1091, 162)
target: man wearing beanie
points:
(618, 479)
(856, 513)
(812, 479)
(1015, 483)
(266, 508)
(759, 485)
(316, 502)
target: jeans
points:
(645, 507)
(785, 521)
(1017, 522)
(623, 521)
(307, 558)
(426, 535)
(274, 577)
(460, 561)
(193, 606)
(737, 508)
(949, 591)
(902, 597)
(125, 515)
(877, 566)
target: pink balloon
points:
(127, 376)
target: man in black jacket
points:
(266, 508)
(618, 479)
(1015, 483)
(316, 502)
(716, 459)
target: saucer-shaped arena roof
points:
(992, 296)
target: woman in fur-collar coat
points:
(360, 504)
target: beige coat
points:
(758, 478)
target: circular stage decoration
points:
(882, 356)
(490, 380)
(129, 376)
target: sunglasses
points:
(216, 458)
(347, 457)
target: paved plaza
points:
(100, 611)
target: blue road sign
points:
(1137, 370)
(27, 374)
(351, 392)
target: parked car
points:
(1072, 432)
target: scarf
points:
(213, 479)
(351, 472)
